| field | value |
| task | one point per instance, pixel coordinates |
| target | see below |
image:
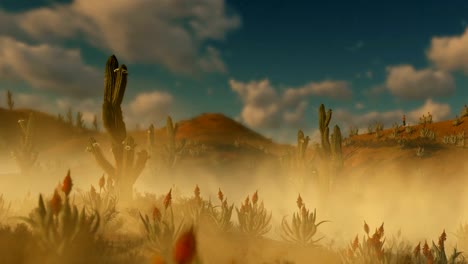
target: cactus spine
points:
(25, 155)
(128, 163)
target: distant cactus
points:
(70, 117)
(25, 155)
(302, 144)
(336, 151)
(10, 101)
(173, 150)
(79, 120)
(331, 151)
(128, 163)
(324, 121)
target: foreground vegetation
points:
(90, 227)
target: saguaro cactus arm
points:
(96, 150)
(115, 82)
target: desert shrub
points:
(161, 230)
(59, 227)
(455, 139)
(353, 131)
(379, 126)
(254, 220)
(437, 253)
(303, 226)
(427, 133)
(103, 202)
(409, 129)
(221, 214)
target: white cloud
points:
(332, 89)
(173, 33)
(264, 107)
(296, 116)
(261, 103)
(406, 82)
(48, 68)
(148, 107)
(438, 111)
(450, 53)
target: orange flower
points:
(381, 230)
(417, 250)
(56, 203)
(255, 197)
(156, 214)
(102, 182)
(185, 248)
(442, 239)
(67, 184)
(247, 201)
(355, 243)
(220, 195)
(366, 228)
(426, 250)
(299, 201)
(168, 199)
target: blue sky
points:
(267, 64)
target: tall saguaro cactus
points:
(331, 152)
(128, 163)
